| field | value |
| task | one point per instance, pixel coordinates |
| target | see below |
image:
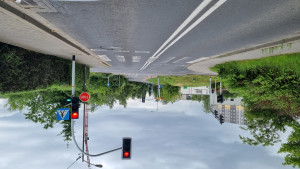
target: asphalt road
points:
(130, 34)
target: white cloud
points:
(173, 137)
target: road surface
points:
(151, 37)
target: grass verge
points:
(285, 61)
(189, 80)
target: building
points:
(200, 90)
(231, 109)
(187, 92)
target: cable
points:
(92, 155)
(74, 162)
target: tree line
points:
(271, 95)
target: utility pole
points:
(158, 87)
(84, 89)
(220, 87)
(216, 86)
(73, 76)
(209, 85)
(72, 120)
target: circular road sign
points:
(84, 97)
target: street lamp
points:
(96, 165)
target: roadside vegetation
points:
(188, 80)
(267, 83)
(270, 88)
(23, 70)
(37, 82)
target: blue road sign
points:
(107, 84)
(161, 86)
(62, 114)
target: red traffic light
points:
(74, 115)
(126, 154)
(126, 149)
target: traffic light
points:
(220, 99)
(216, 113)
(126, 149)
(221, 119)
(75, 108)
(68, 100)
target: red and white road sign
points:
(84, 97)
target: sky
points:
(178, 135)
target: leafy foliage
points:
(170, 93)
(188, 80)
(41, 107)
(292, 147)
(265, 126)
(103, 95)
(270, 88)
(264, 86)
(27, 70)
(205, 100)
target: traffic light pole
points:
(83, 124)
(215, 85)
(220, 87)
(72, 120)
(92, 155)
(73, 76)
(158, 87)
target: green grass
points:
(189, 80)
(286, 61)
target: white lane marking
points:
(136, 58)
(169, 60)
(122, 51)
(120, 58)
(206, 14)
(200, 7)
(137, 51)
(114, 47)
(187, 21)
(145, 65)
(180, 59)
(104, 57)
(96, 50)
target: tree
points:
(170, 93)
(264, 126)
(42, 106)
(292, 147)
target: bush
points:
(26, 70)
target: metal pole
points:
(73, 76)
(83, 125)
(209, 86)
(83, 131)
(216, 86)
(84, 78)
(220, 87)
(92, 155)
(72, 120)
(119, 81)
(158, 87)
